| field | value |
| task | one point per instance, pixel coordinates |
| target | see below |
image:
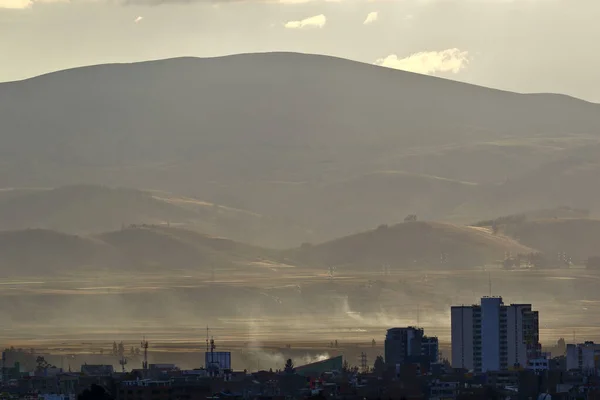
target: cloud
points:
(428, 62)
(317, 21)
(371, 17)
(15, 4)
(138, 19)
(21, 4)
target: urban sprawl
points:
(495, 354)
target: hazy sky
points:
(522, 45)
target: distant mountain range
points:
(290, 147)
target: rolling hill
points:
(407, 245)
(87, 209)
(306, 140)
(134, 248)
(577, 237)
(44, 252)
(412, 244)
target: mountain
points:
(412, 244)
(276, 134)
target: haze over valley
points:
(287, 198)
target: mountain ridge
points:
(291, 53)
(266, 133)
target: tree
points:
(346, 366)
(41, 362)
(289, 366)
(410, 218)
(379, 366)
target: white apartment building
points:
(583, 357)
(492, 336)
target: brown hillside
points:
(578, 238)
(39, 250)
(413, 244)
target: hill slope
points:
(266, 132)
(85, 209)
(39, 251)
(411, 244)
(577, 237)
(136, 248)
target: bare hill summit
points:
(270, 133)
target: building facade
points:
(492, 336)
(430, 349)
(583, 357)
(409, 345)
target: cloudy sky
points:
(521, 45)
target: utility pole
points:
(123, 362)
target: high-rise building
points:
(408, 345)
(584, 357)
(492, 336)
(430, 349)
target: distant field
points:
(272, 307)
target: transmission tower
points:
(364, 366)
(144, 347)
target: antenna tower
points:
(207, 339)
(364, 366)
(144, 346)
(490, 283)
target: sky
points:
(517, 45)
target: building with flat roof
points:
(583, 357)
(492, 336)
(409, 345)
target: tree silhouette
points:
(346, 366)
(379, 366)
(289, 366)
